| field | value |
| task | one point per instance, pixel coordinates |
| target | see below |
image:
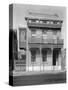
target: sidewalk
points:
(21, 73)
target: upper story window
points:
(44, 34)
(50, 34)
(33, 32)
(58, 34)
(38, 33)
(44, 31)
(22, 35)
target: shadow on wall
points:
(13, 52)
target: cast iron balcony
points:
(35, 40)
(45, 41)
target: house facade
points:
(40, 45)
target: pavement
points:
(36, 79)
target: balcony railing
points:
(35, 40)
(19, 65)
(42, 40)
(53, 41)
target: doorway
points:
(56, 52)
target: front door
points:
(56, 52)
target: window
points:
(44, 31)
(22, 58)
(58, 34)
(44, 34)
(22, 35)
(33, 32)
